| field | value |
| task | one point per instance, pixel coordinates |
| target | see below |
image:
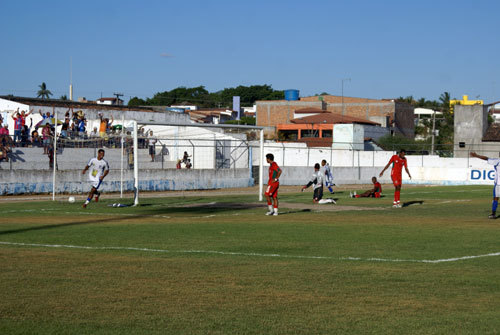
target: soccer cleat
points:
(355, 194)
(84, 205)
(270, 213)
(97, 195)
(350, 194)
(492, 216)
(275, 214)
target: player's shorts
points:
(397, 180)
(376, 194)
(272, 190)
(152, 150)
(318, 193)
(96, 183)
(496, 191)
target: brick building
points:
(388, 113)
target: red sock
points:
(397, 195)
(356, 196)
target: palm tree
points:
(445, 100)
(43, 92)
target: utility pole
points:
(342, 80)
(118, 95)
(433, 130)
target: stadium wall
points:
(72, 181)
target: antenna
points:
(118, 95)
(70, 78)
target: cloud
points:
(166, 55)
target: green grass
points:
(223, 270)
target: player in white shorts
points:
(496, 188)
(99, 169)
(327, 172)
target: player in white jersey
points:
(496, 188)
(99, 169)
(317, 180)
(325, 168)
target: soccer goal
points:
(155, 157)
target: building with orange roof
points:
(398, 117)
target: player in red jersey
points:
(272, 185)
(397, 161)
(373, 193)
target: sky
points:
(370, 49)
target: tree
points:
(446, 126)
(43, 92)
(63, 97)
(135, 101)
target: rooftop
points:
(70, 104)
(332, 118)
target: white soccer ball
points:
(71, 199)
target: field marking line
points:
(455, 259)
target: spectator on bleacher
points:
(36, 141)
(81, 127)
(3, 153)
(141, 139)
(25, 136)
(5, 141)
(151, 144)
(65, 127)
(50, 154)
(4, 131)
(94, 133)
(105, 127)
(46, 115)
(18, 125)
(46, 136)
(185, 158)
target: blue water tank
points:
(291, 95)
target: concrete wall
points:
(28, 171)
(348, 136)
(357, 167)
(72, 181)
(470, 124)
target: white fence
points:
(353, 166)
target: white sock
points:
(276, 209)
(270, 207)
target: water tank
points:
(291, 95)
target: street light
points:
(342, 80)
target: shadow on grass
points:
(149, 211)
(68, 224)
(415, 202)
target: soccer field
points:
(215, 264)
